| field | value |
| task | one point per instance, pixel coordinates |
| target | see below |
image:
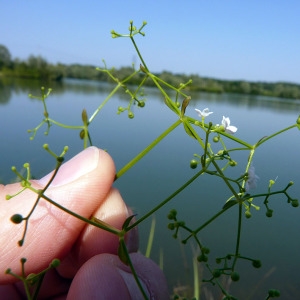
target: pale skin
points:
(90, 268)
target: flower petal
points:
(231, 129)
(204, 113)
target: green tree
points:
(5, 57)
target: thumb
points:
(80, 185)
(104, 276)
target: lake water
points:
(275, 241)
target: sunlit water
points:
(275, 241)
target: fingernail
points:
(78, 166)
(132, 286)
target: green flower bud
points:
(82, 134)
(216, 139)
(141, 104)
(23, 260)
(172, 214)
(55, 263)
(232, 163)
(17, 218)
(202, 258)
(193, 164)
(130, 115)
(46, 115)
(216, 273)
(269, 213)
(171, 226)
(84, 117)
(248, 214)
(205, 250)
(290, 183)
(298, 120)
(295, 203)
(256, 264)
(271, 182)
(177, 104)
(235, 276)
(220, 152)
(274, 293)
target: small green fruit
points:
(248, 214)
(193, 164)
(17, 218)
(171, 226)
(141, 104)
(82, 134)
(130, 115)
(216, 139)
(235, 276)
(274, 293)
(269, 213)
(256, 264)
(216, 273)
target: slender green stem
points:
(133, 269)
(274, 134)
(152, 211)
(146, 150)
(63, 125)
(97, 223)
(105, 101)
(157, 79)
(38, 287)
(207, 222)
(139, 53)
(238, 237)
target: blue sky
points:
(257, 40)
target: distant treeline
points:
(37, 67)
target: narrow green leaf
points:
(127, 222)
(123, 253)
(172, 105)
(229, 204)
(188, 131)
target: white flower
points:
(228, 128)
(252, 179)
(204, 113)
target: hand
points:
(90, 268)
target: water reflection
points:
(167, 167)
(89, 87)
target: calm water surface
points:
(276, 241)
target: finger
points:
(105, 277)
(93, 240)
(81, 185)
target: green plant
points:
(207, 161)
